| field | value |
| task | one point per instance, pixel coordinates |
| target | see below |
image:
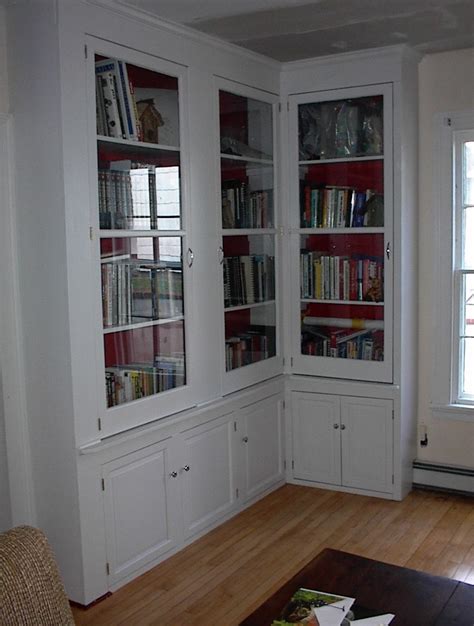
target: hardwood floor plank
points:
(232, 569)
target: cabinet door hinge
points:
(235, 427)
(279, 107)
(236, 493)
(91, 233)
(284, 360)
(284, 465)
(393, 414)
(448, 121)
(292, 465)
(393, 479)
(102, 482)
(288, 105)
(284, 404)
(85, 51)
(107, 569)
(291, 361)
(99, 423)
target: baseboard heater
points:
(443, 477)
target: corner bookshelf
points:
(341, 225)
(141, 231)
(249, 235)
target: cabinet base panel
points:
(360, 492)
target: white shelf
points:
(378, 157)
(245, 159)
(359, 230)
(349, 302)
(130, 143)
(248, 231)
(242, 307)
(118, 233)
(119, 329)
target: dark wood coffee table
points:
(416, 599)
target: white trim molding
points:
(11, 362)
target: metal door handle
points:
(173, 474)
(245, 439)
(388, 250)
(343, 427)
(336, 426)
(186, 468)
(190, 257)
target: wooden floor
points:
(230, 571)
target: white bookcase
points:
(136, 280)
(352, 318)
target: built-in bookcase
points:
(341, 232)
(141, 229)
(248, 213)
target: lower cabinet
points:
(206, 474)
(343, 440)
(159, 497)
(141, 507)
(260, 440)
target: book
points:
(108, 72)
(308, 607)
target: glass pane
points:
(342, 195)
(468, 306)
(135, 103)
(342, 295)
(142, 280)
(468, 238)
(246, 126)
(467, 379)
(139, 189)
(341, 128)
(249, 335)
(247, 195)
(144, 361)
(468, 173)
(249, 269)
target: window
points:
(453, 337)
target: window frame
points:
(447, 273)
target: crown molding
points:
(145, 17)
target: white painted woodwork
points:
(207, 487)
(260, 437)
(316, 440)
(141, 513)
(367, 443)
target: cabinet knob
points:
(343, 427)
(245, 439)
(186, 468)
(173, 474)
(336, 426)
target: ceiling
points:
(288, 30)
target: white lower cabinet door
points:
(316, 439)
(207, 473)
(367, 443)
(261, 440)
(141, 499)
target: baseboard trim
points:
(447, 478)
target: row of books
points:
(328, 277)
(116, 108)
(134, 293)
(125, 383)
(242, 208)
(248, 279)
(339, 207)
(342, 343)
(124, 206)
(256, 344)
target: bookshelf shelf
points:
(356, 159)
(246, 159)
(118, 329)
(346, 302)
(244, 307)
(126, 146)
(353, 230)
(237, 232)
(124, 234)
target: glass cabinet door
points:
(248, 229)
(141, 231)
(343, 244)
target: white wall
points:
(446, 83)
(5, 508)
